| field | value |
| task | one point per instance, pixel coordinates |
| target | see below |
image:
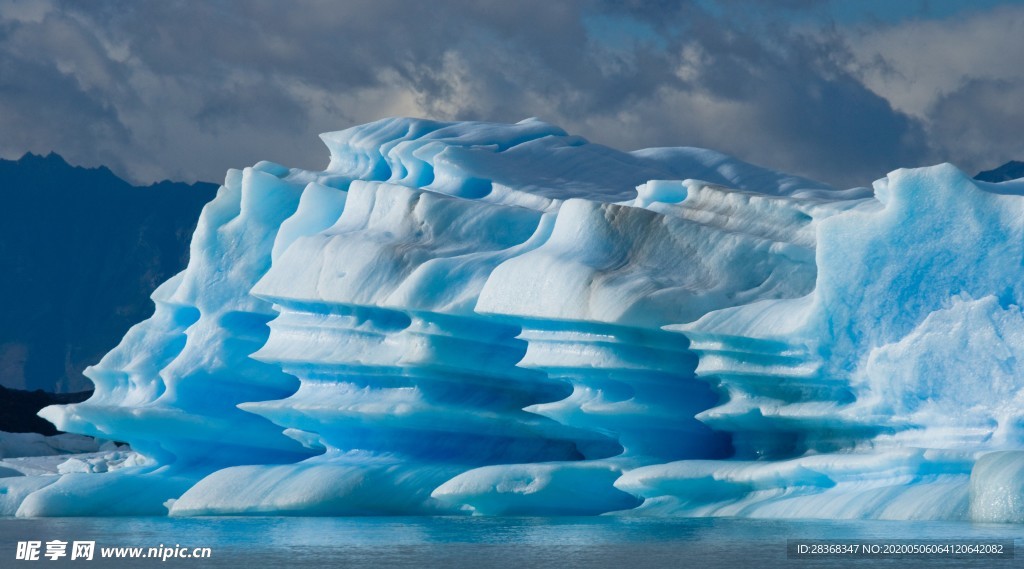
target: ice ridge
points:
(506, 319)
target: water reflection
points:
(516, 543)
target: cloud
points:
(979, 125)
(960, 77)
(185, 90)
(43, 104)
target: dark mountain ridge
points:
(81, 250)
(18, 409)
(1009, 171)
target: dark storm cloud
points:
(187, 89)
(40, 105)
(960, 78)
(984, 118)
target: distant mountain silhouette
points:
(18, 409)
(81, 250)
(1009, 171)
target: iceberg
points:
(505, 319)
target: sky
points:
(840, 91)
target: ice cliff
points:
(506, 319)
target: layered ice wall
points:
(875, 395)
(506, 319)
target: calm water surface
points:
(519, 543)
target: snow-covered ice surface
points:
(30, 461)
(19, 445)
(506, 319)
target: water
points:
(518, 543)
